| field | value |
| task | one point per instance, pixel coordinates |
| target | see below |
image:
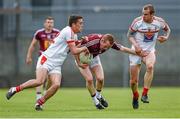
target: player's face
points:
(147, 17)
(49, 24)
(78, 26)
(105, 44)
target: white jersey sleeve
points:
(162, 22)
(134, 25)
(69, 35)
(59, 49)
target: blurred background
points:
(19, 19)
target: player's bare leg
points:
(86, 73)
(134, 77)
(99, 75)
(89, 80)
(148, 77)
(40, 78)
(39, 92)
(55, 84)
(48, 84)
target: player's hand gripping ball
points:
(85, 58)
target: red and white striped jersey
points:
(147, 33)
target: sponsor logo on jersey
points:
(43, 35)
(148, 36)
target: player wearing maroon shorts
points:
(98, 44)
(44, 38)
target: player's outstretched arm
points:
(30, 51)
(130, 36)
(122, 48)
(130, 51)
(127, 50)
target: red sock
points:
(135, 95)
(18, 88)
(145, 91)
(41, 101)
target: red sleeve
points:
(70, 41)
(116, 46)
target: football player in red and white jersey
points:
(44, 38)
(143, 34)
(98, 44)
(51, 61)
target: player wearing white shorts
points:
(98, 44)
(143, 34)
(51, 61)
(43, 37)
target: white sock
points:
(38, 96)
(13, 89)
(95, 100)
(98, 94)
(44, 92)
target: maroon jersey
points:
(45, 39)
(92, 42)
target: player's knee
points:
(89, 82)
(57, 85)
(100, 79)
(39, 82)
(133, 81)
(150, 67)
(90, 78)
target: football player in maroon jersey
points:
(98, 44)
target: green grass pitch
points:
(76, 103)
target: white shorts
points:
(95, 61)
(49, 64)
(134, 59)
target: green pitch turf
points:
(76, 102)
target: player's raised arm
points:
(30, 51)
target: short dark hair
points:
(109, 38)
(74, 19)
(49, 18)
(149, 7)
